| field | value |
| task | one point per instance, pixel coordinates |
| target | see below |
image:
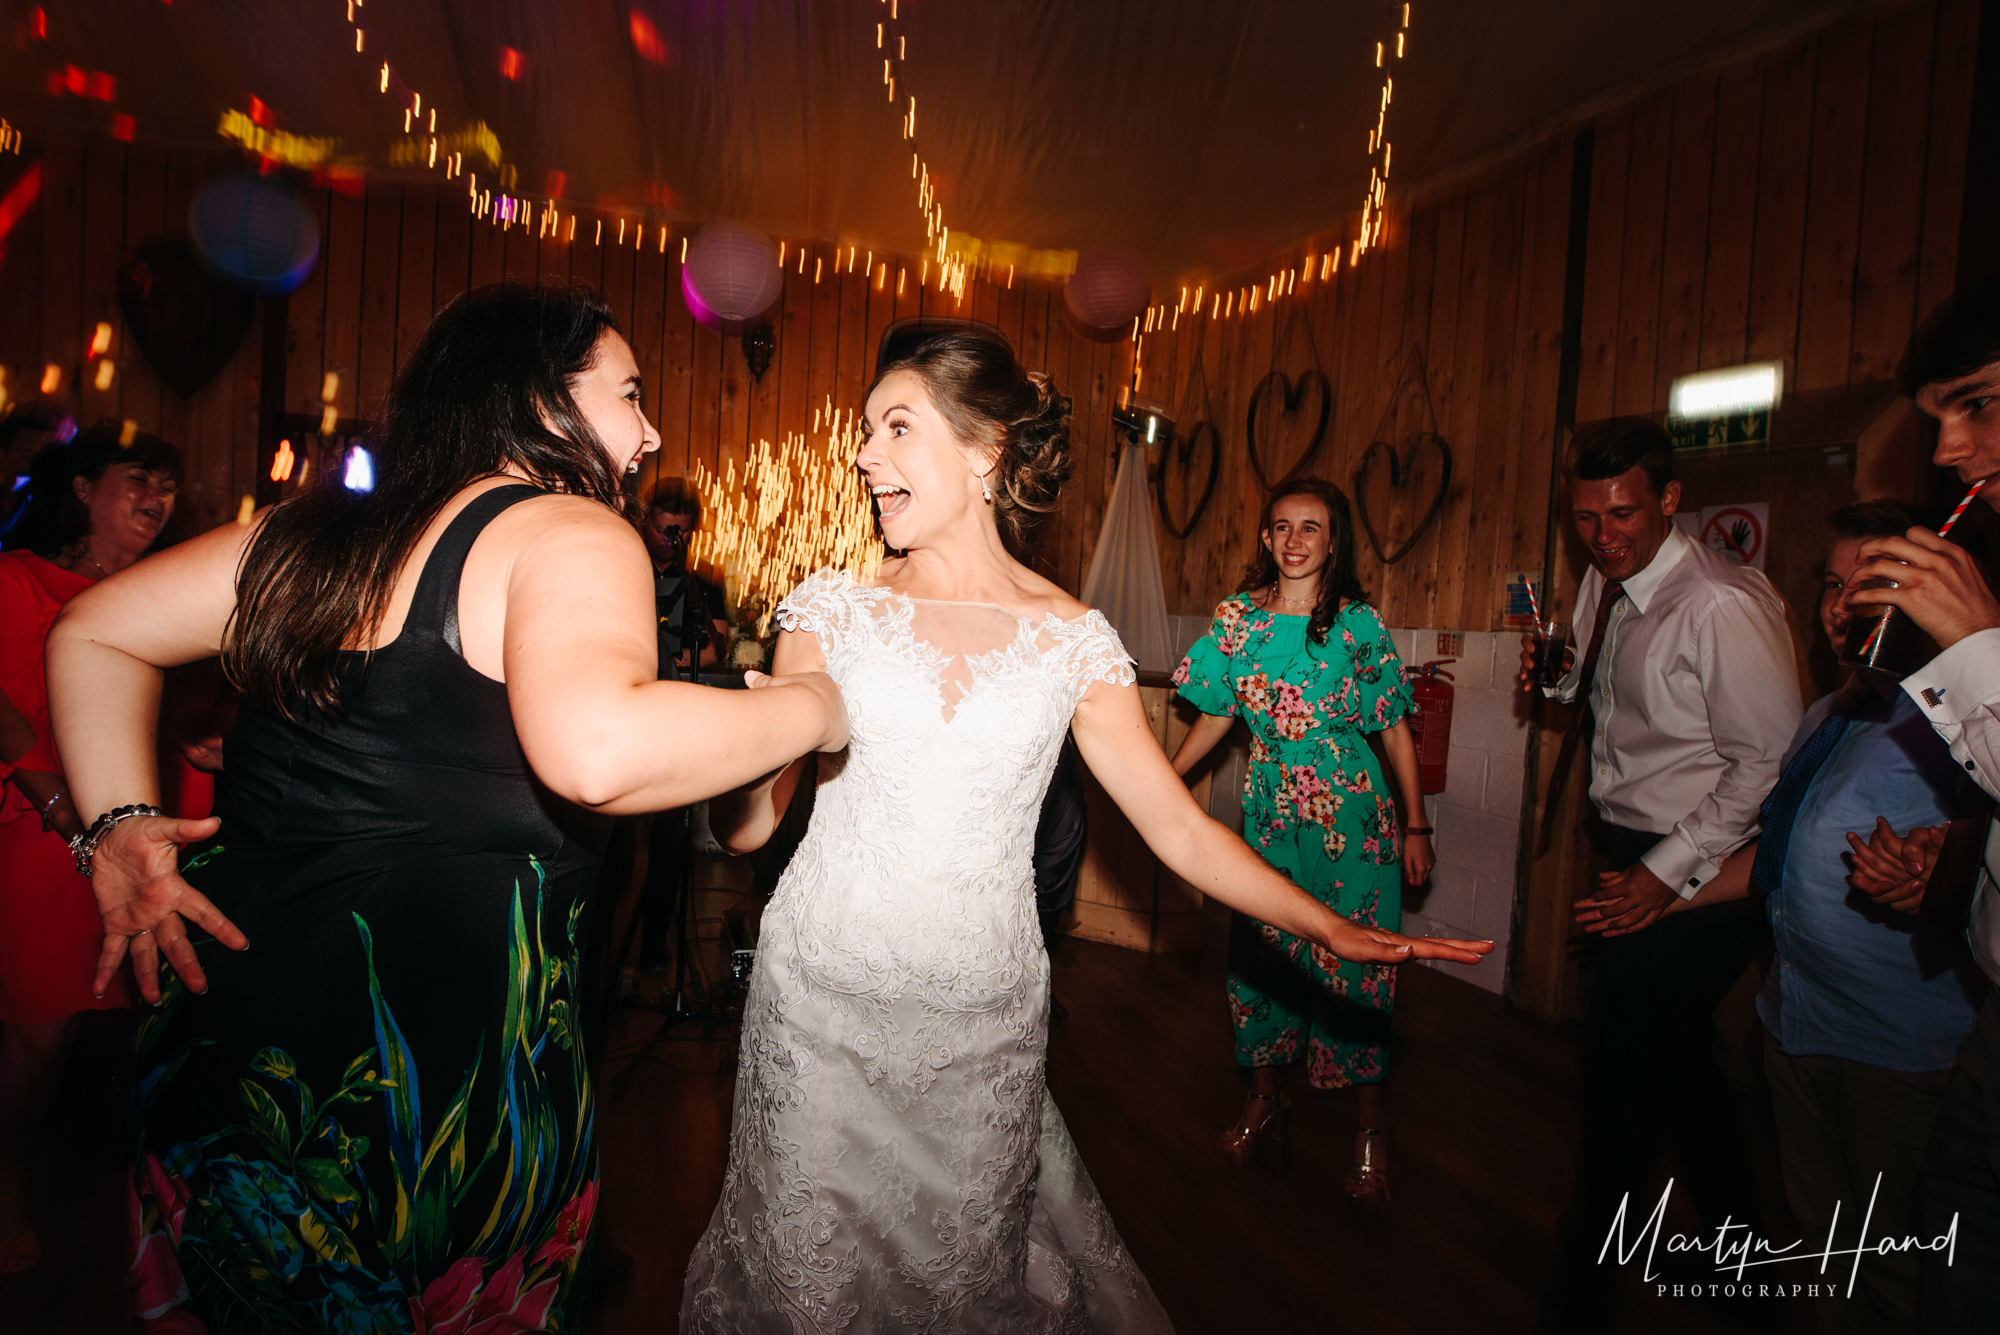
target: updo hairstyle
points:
(988, 399)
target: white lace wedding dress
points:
(895, 1162)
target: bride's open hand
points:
(832, 706)
(1351, 941)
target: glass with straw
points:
(1882, 638)
(1551, 642)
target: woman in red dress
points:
(96, 507)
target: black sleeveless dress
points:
(378, 1118)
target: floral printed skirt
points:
(377, 1119)
(1290, 1000)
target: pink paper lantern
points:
(731, 276)
(1109, 288)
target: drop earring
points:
(986, 490)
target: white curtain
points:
(1124, 581)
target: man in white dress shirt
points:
(1953, 372)
(1690, 696)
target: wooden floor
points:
(1483, 1102)
(1484, 1106)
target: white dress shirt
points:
(1696, 698)
(1959, 691)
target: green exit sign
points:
(1714, 433)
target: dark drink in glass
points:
(1883, 639)
(1549, 650)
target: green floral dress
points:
(1316, 807)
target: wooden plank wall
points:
(1801, 204)
(59, 280)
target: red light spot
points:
(124, 127)
(15, 203)
(259, 113)
(646, 40)
(41, 24)
(102, 86)
(553, 187)
(74, 80)
(510, 63)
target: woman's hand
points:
(143, 901)
(1418, 859)
(1351, 941)
(833, 706)
(1893, 870)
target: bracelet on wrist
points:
(84, 847)
(48, 808)
(1417, 829)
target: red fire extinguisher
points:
(1431, 724)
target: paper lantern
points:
(255, 233)
(731, 276)
(1109, 288)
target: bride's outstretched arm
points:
(744, 820)
(1118, 745)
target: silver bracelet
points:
(84, 846)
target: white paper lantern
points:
(731, 276)
(1109, 288)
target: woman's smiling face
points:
(923, 478)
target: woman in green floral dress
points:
(1309, 667)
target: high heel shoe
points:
(1367, 1177)
(1240, 1142)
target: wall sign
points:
(1713, 433)
(1737, 533)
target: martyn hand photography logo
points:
(1737, 1250)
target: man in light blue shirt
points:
(1864, 1008)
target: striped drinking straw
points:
(1868, 645)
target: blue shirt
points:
(1852, 979)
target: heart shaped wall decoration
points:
(1292, 394)
(1402, 462)
(1184, 449)
(1181, 450)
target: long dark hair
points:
(1337, 578)
(55, 520)
(487, 386)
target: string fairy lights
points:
(952, 269)
(793, 509)
(1379, 146)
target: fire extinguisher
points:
(1431, 724)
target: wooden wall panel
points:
(1778, 247)
(1800, 205)
(1684, 246)
(1833, 204)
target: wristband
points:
(1418, 829)
(84, 846)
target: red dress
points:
(49, 929)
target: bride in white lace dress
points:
(895, 1162)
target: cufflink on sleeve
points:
(1933, 696)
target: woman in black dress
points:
(378, 1118)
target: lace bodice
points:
(894, 1163)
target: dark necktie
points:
(1607, 599)
(1781, 808)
